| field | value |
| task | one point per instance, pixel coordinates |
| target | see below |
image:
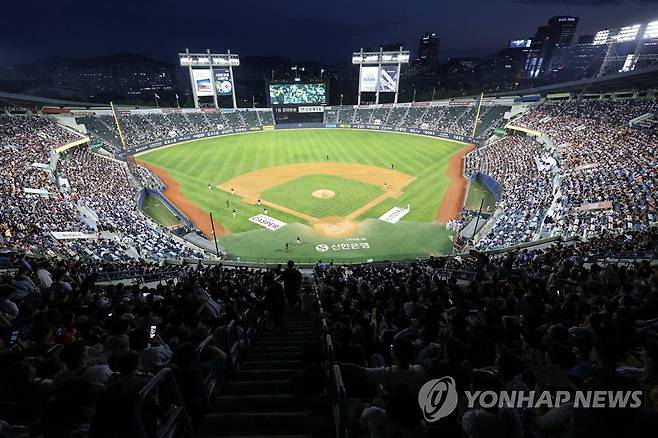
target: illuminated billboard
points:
(369, 79)
(519, 44)
(388, 79)
(298, 94)
(202, 82)
(223, 84)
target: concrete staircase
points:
(258, 400)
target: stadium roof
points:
(45, 101)
(640, 79)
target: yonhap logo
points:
(438, 398)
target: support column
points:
(230, 75)
(212, 81)
(194, 95)
(379, 68)
(358, 98)
(397, 82)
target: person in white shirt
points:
(44, 276)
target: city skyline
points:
(259, 29)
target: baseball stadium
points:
(318, 188)
(239, 246)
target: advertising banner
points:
(223, 84)
(203, 82)
(369, 79)
(72, 235)
(311, 109)
(394, 215)
(388, 79)
(268, 222)
(605, 205)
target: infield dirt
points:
(250, 185)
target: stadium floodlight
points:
(601, 37)
(627, 33)
(651, 30)
(203, 84)
(381, 72)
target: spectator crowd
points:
(604, 176)
(76, 191)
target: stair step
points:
(284, 355)
(297, 343)
(265, 374)
(267, 348)
(257, 387)
(291, 339)
(264, 436)
(254, 423)
(271, 364)
(250, 403)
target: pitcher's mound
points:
(324, 194)
(335, 227)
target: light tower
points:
(381, 72)
(213, 64)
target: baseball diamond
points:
(333, 202)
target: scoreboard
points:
(298, 114)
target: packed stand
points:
(27, 218)
(527, 191)
(115, 205)
(146, 127)
(523, 321)
(75, 355)
(453, 119)
(604, 160)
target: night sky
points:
(325, 31)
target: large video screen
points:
(298, 94)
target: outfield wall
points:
(174, 210)
(490, 183)
(183, 138)
(384, 128)
(216, 133)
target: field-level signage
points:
(267, 222)
(347, 246)
(394, 215)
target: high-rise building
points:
(558, 32)
(428, 49)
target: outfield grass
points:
(156, 210)
(299, 192)
(196, 164)
(476, 192)
(404, 240)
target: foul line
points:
(396, 193)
